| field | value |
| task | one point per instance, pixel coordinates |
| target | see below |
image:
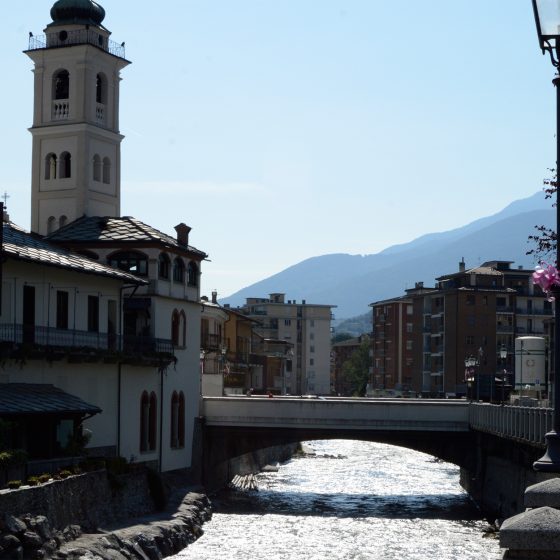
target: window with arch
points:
(177, 420)
(148, 421)
(163, 266)
(179, 329)
(101, 89)
(51, 224)
(106, 170)
(61, 84)
(178, 270)
(192, 274)
(50, 166)
(62, 221)
(130, 261)
(96, 168)
(65, 165)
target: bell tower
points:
(76, 156)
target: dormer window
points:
(130, 261)
(192, 274)
(163, 266)
(178, 270)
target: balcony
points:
(211, 341)
(504, 309)
(21, 343)
(504, 328)
(55, 40)
(525, 311)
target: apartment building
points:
(307, 327)
(472, 313)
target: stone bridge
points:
(495, 446)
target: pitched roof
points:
(107, 229)
(22, 245)
(35, 398)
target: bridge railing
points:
(521, 423)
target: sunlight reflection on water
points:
(374, 502)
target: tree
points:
(341, 337)
(356, 369)
(545, 239)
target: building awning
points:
(33, 398)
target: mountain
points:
(352, 282)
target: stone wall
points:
(502, 469)
(91, 500)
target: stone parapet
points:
(535, 533)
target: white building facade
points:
(133, 300)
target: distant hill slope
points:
(352, 282)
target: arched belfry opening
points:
(61, 85)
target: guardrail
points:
(521, 423)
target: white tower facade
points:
(76, 155)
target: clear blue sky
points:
(284, 129)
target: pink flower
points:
(546, 276)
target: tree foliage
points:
(545, 238)
(341, 337)
(356, 369)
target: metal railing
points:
(521, 423)
(48, 339)
(60, 39)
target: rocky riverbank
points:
(96, 516)
(151, 537)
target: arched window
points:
(177, 419)
(62, 221)
(152, 435)
(182, 329)
(178, 270)
(144, 421)
(65, 166)
(163, 266)
(106, 170)
(96, 168)
(130, 261)
(175, 327)
(51, 223)
(61, 85)
(181, 427)
(101, 89)
(174, 420)
(192, 274)
(50, 166)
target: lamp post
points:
(470, 363)
(503, 356)
(547, 19)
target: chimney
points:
(182, 233)
(214, 296)
(419, 285)
(462, 265)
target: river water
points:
(353, 501)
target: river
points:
(350, 501)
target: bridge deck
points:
(337, 413)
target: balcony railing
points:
(528, 424)
(77, 37)
(21, 342)
(525, 311)
(211, 341)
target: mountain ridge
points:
(352, 282)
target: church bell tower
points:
(76, 155)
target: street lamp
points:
(470, 363)
(547, 19)
(503, 356)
